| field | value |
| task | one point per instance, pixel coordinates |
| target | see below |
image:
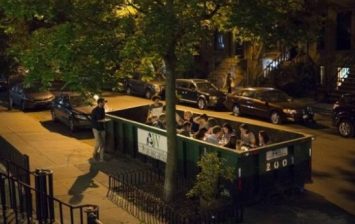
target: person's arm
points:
(252, 139)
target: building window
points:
(220, 41)
(343, 35)
(343, 73)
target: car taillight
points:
(336, 104)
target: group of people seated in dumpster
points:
(207, 129)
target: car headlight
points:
(80, 117)
(289, 111)
(213, 98)
(156, 88)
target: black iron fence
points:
(21, 203)
(14, 161)
(137, 193)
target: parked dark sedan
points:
(344, 115)
(200, 92)
(73, 110)
(268, 103)
(29, 97)
(140, 87)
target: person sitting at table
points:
(200, 134)
(151, 120)
(263, 138)
(247, 137)
(160, 122)
(156, 108)
(227, 132)
(186, 117)
(216, 135)
(211, 123)
(232, 143)
(186, 129)
(202, 121)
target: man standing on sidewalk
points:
(98, 128)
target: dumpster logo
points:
(153, 140)
(152, 144)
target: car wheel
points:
(201, 104)
(54, 117)
(275, 118)
(72, 125)
(346, 128)
(129, 90)
(236, 110)
(148, 94)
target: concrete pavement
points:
(76, 180)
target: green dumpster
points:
(282, 165)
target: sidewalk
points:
(76, 180)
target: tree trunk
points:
(171, 163)
(254, 67)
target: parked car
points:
(73, 110)
(268, 103)
(29, 97)
(200, 92)
(344, 115)
(140, 87)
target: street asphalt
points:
(79, 181)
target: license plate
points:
(277, 153)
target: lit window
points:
(220, 41)
(343, 73)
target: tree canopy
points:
(85, 42)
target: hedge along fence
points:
(286, 162)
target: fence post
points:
(44, 195)
(3, 197)
(92, 215)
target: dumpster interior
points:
(139, 114)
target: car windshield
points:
(275, 96)
(77, 101)
(206, 86)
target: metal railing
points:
(21, 203)
(129, 191)
(14, 161)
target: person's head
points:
(227, 128)
(203, 119)
(217, 130)
(263, 137)
(162, 118)
(156, 99)
(201, 133)
(244, 128)
(153, 119)
(187, 115)
(101, 102)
